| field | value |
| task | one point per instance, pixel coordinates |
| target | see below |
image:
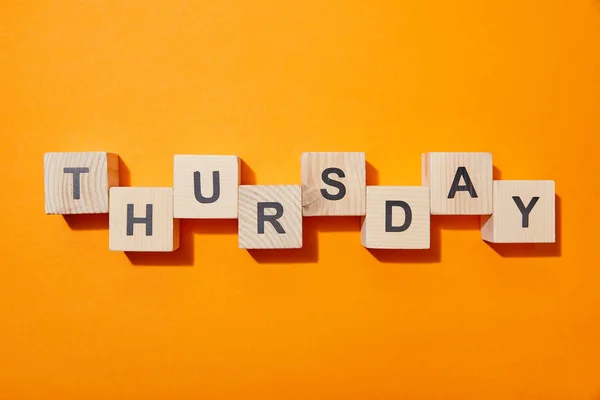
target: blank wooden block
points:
(333, 183)
(206, 186)
(270, 217)
(141, 219)
(78, 183)
(397, 218)
(459, 183)
(524, 212)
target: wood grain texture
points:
(418, 233)
(353, 165)
(94, 185)
(505, 225)
(289, 196)
(438, 171)
(165, 229)
(185, 201)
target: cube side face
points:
(130, 220)
(78, 182)
(517, 217)
(376, 232)
(449, 177)
(322, 176)
(280, 226)
(197, 194)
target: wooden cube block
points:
(206, 186)
(333, 183)
(78, 183)
(270, 217)
(141, 219)
(459, 183)
(397, 217)
(524, 212)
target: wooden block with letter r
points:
(524, 212)
(459, 183)
(397, 217)
(270, 217)
(333, 183)
(206, 186)
(141, 219)
(78, 182)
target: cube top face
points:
(398, 217)
(270, 217)
(78, 182)
(333, 183)
(459, 183)
(524, 212)
(206, 186)
(141, 219)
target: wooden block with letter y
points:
(333, 183)
(459, 183)
(206, 186)
(141, 219)
(524, 212)
(78, 182)
(397, 218)
(270, 217)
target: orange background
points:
(267, 80)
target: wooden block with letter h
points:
(459, 183)
(333, 183)
(524, 212)
(397, 217)
(141, 219)
(78, 182)
(270, 217)
(206, 186)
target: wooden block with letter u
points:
(270, 217)
(141, 219)
(78, 182)
(397, 217)
(524, 212)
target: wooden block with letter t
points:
(333, 183)
(141, 219)
(459, 183)
(206, 186)
(78, 182)
(270, 217)
(524, 212)
(397, 217)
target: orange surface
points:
(267, 80)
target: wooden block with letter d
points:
(78, 182)
(206, 186)
(397, 217)
(524, 212)
(333, 183)
(270, 217)
(141, 219)
(459, 183)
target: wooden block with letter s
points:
(141, 219)
(333, 183)
(524, 212)
(79, 182)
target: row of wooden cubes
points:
(270, 216)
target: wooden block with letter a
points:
(141, 219)
(78, 182)
(206, 186)
(459, 183)
(397, 217)
(333, 183)
(270, 217)
(524, 212)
